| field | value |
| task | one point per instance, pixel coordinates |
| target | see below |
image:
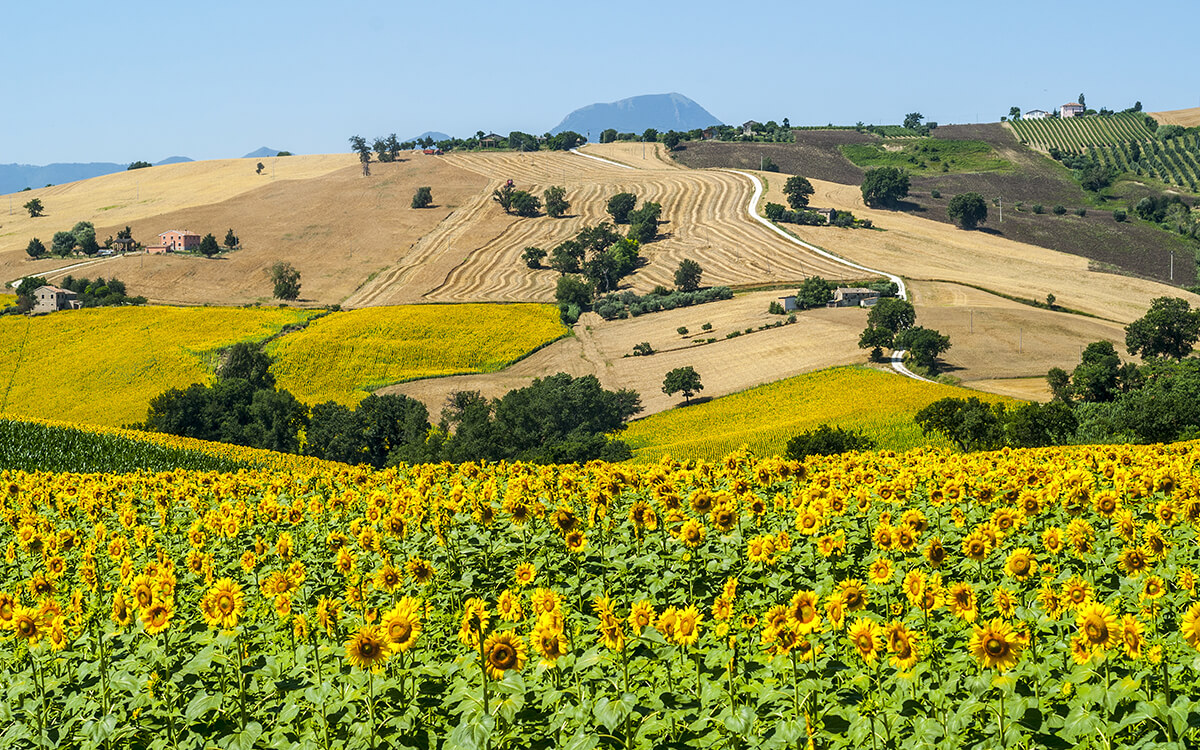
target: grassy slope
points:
(927, 156)
(103, 365)
(345, 356)
(877, 403)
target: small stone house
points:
(1070, 109)
(854, 296)
(179, 240)
(789, 303)
(748, 127)
(48, 299)
(124, 245)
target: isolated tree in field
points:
(286, 280)
(1170, 328)
(912, 120)
(968, 210)
(525, 203)
(259, 168)
(687, 276)
(359, 145)
(34, 207)
(683, 380)
(35, 248)
(619, 207)
(924, 345)
(893, 314)
(504, 196)
(423, 198)
(231, 239)
(557, 204)
(533, 256)
(63, 244)
(209, 247)
(884, 186)
(797, 189)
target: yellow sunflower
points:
(1021, 564)
(388, 578)
(1097, 624)
(1076, 592)
(421, 570)
(902, 643)
(867, 637)
(475, 620)
(26, 625)
(401, 625)
(549, 642)
(1190, 629)
(525, 574)
(122, 615)
(157, 617)
(508, 606)
(961, 599)
(1134, 561)
(368, 649)
(1153, 588)
(880, 571)
(935, 553)
(576, 541)
(502, 652)
(995, 645)
(687, 626)
(1132, 640)
(692, 533)
(854, 597)
(223, 604)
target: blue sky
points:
(121, 81)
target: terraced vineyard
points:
(1074, 135)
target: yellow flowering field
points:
(345, 356)
(1022, 598)
(879, 404)
(103, 365)
(7, 299)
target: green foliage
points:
(643, 222)
(567, 257)
(247, 361)
(625, 304)
(687, 275)
(63, 244)
(775, 308)
(924, 345)
(209, 247)
(1059, 209)
(827, 441)
(912, 121)
(35, 208)
(36, 248)
(928, 156)
(797, 189)
(29, 285)
(1038, 209)
(1118, 214)
(619, 207)
(1170, 328)
(683, 380)
(231, 239)
(525, 204)
(573, 290)
(285, 280)
(893, 314)
(138, 165)
(99, 292)
(968, 210)
(423, 198)
(504, 196)
(884, 186)
(643, 349)
(970, 424)
(608, 135)
(533, 256)
(814, 292)
(556, 201)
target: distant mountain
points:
(172, 160)
(436, 136)
(14, 177)
(634, 115)
(262, 152)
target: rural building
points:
(52, 299)
(789, 303)
(157, 249)
(709, 133)
(177, 240)
(491, 140)
(1070, 109)
(854, 296)
(124, 245)
(1036, 114)
(826, 212)
(748, 127)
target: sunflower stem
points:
(241, 688)
(371, 703)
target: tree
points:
(504, 196)
(643, 223)
(35, 208)
(620, 205)
(968, 210)
(335, 434)
(924, 345)
(258, 169)
(608, 135)
(826, 441)
(876, 339)
(573, 291)
(671, 140)
(970, 424)
(797, 189)
(650, 135)
(359, 145)
(912, 120)
(286, 280)
(231, 239)
(35, 248)
(814, 292)
(533, 256)
(247, 361)
(63, 244)
(556, 201)
(567, 257)
(884, 186)
(682, 380)
(893, 314)
(393, 427)
(525, 203)
(1014, 113)
(423, 198)
(1096, 377)
(138, 165)
(687, 276)
(209, 247)
(1169, 328)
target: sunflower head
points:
(502, 652)
(995, 645)
(1097, 624)
(368, 648)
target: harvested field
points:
(820, 338)
(815, 154)
(475, 254)
(1188, 118)
(1027, 389)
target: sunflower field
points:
(1039, 598)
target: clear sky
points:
(126, 80)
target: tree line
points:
(556, 419)
(98, 292)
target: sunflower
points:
(508, 606)
(913, 585)
(641, 616)
(143, 591)
(854, 597)
(976, 546)
(8, 608)
(223, 604)
(1190, 629)
(1132, 640)
(722, 609)
(1186, 580)
(329, 611)
(122, 615)
(692, 533)
(1153, 588)
(808, 521)
(756, 550)
(157, 617)
(368, 649)
(687, 626)
(1076, 592)
(1097, 624)
(1005, 601)
(475, 620)
(884, 536)
(835, 609)
(1052, 540)
(575, 540)
(525, 574)
(502, 652)
(421, 570)
(880, 571)
(867, 637)
(544, 601)
(961, 599)
(935, 553)
(58, 636)
(995, 645)
(902, 643)
(1106, 503)
(388, 578)
(26, 625)
(724, 516)
(1021, 564)
(1135, 561)
(1049, 599)
(549, 642)
(832, 544)
(802, 612)
(401, 625)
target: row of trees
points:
(524, 203)
(97, 292)
(557, 419)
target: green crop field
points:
(1175, 161)
(1075, 135)
(927, 156)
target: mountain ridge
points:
(635, 114)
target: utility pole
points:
(1002, 209)
(1172, 265)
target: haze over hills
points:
(14, 177)
(635, 114)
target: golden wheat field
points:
(345, 356)
(1188, 118)
(103, 365)
(876, 403)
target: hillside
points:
(1188, 118)
(633, 115)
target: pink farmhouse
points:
(176, 241)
